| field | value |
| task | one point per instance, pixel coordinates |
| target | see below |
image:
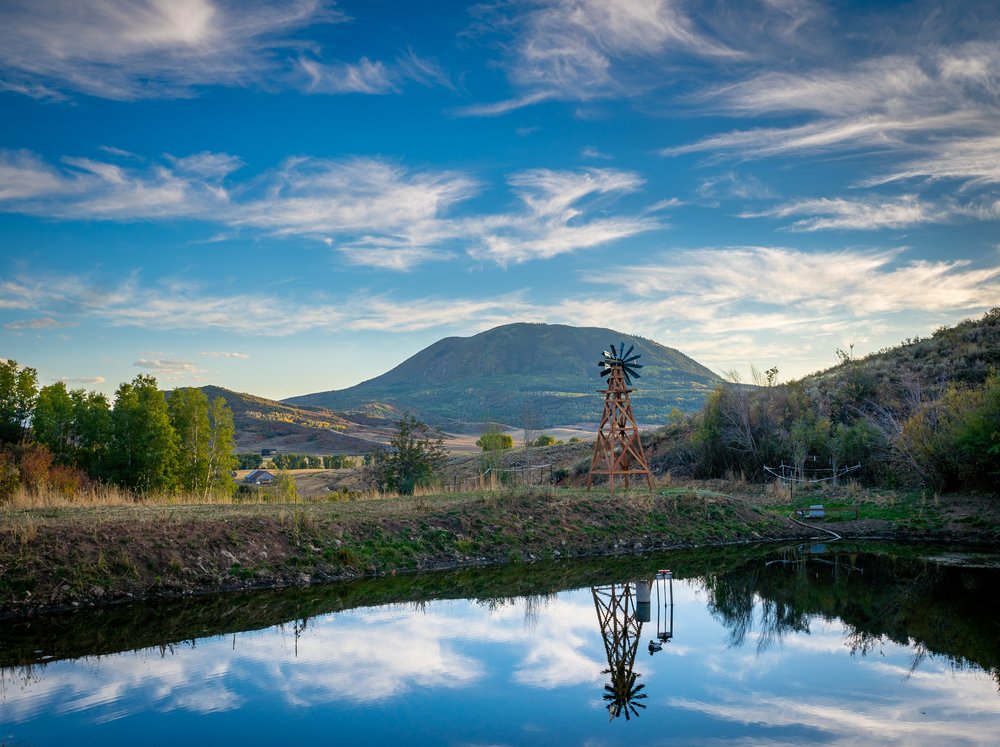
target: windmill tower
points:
(618, 449)
(621, 627)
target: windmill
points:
(621, 628)
(618, 449)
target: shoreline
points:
(59, 559)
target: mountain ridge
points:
(545, 373)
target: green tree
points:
(144, 441)
(205, 442)
(18, 390)
(54, 422)
(545, 440)
(412, 459)
(221, 447)
(92, 429)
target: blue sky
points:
(284, 198)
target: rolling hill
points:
(263, 423)
(535, 375)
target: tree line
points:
(145, 441)
(253, 460)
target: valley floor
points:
(63, 558)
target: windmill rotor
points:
(622, 359)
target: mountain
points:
(263, 423)
(535, 375)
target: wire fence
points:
(495, 478)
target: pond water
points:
(830, 644)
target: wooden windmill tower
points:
(621, 626)
(618, 449)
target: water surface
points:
(821, 644)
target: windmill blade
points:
(632, 358)
(613, 353)
(630, 349)
(621, 349)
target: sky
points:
(291, 197)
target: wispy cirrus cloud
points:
(135, 49)
(848, 282)
(373, 211)
(371, 77)
(931, 104)
(871, 214)
(725, 305)
(584, 49)
(552, 221)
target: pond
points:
(834, 644)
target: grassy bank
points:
(61, 557)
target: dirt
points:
(63, 558)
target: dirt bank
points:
(62, 558)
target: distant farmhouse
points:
(259, 477)
(268, 452)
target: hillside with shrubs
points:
(925, 413)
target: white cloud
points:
(168, 369)
(125, 49)
(371, 77)
(364, 76)
(374, 211)
(133, 49)
(583, 49)
(46, 322)
(218, 354)
(82, 380)
(873, 213)
(552, 222)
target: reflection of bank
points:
(621, 611)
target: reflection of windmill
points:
(618, 449)
(664, 610)
(622, 627)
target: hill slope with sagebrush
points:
(543, 373)
(264, 423)
(925, 413)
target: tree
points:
(18, 390)
(205, 442)
(92, 430)
(53, 422)
(144, 441)
(221, 447)
(411, 460)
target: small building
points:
(259, 477)
(268, 452)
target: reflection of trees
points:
(937, 609)
(734, 597)
(621, 630)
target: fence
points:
(496, 477)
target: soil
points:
(53, 559)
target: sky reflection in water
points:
(528, 671)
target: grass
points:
(167, 547)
